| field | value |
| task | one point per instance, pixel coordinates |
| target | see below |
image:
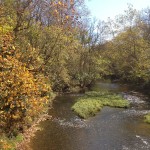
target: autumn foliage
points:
(52, 45)
(65, 12)
(36, 47)
(23, 96)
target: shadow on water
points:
(110, 129)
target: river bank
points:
(30, 133)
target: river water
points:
(110, 129)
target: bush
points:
(23, 96)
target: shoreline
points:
(30, 133)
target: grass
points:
(93, 102)
(87, 107)
(9, 143)
(147, 118)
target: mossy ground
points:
(93, 102)
(147, 118)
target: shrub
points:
(23, 96)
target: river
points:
(110, 129)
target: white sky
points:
(102, 9)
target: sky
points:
(102, 9)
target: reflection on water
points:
(110, 129)
(114, 87)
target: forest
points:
(53, 46)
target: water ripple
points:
(141, 144)
(132, 112)
(134, 99)
(74, 122)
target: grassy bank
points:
(10, 144)
(20, 140)
(147, 118)
(93, 102)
